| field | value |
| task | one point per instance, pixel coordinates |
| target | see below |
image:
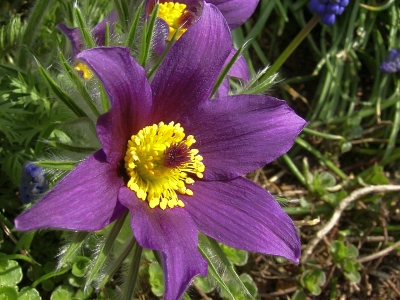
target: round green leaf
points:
(156, 279)
(10, 273)
(76, 281)
(313, 279)
(80, 266)
(62, 292)
(236, 256)
(8, 293)
(204, 284)
(28, 293)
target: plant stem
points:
(292, 46)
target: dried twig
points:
(380, 253)
(338, 212)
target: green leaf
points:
(8, 293)
(352, 251)
(228, 66)
(156, 279)
(338, 250)
(10, 273)
(31, 31)
(353, 276)
(217, 260)
(204, 284)
(63, 292)
(64, 97)
(236, 256)
(85, 33)
(76, 281)
(105, 249)
(313, 280)
(236, 290)
(28, 293)
(299, 295)
(80, 266)
(80, 86)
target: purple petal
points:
(191, 67)
(240, 69)
(99, 30)
(129, 91)
(174, 233)
(239, 134)
(74, 36)
(85, 199)
(243, 215)
(236, 12)
(223, 89)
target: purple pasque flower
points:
(167, 145)
(328, 9)
(392, 62)
(236, 12)
(179, 16)
(98, 33)
(185, 12)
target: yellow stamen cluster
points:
(171, 13)
(159, 161)
(83, 70)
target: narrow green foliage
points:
(60, 165)
(228, 66)
(105, 250)
(259, 83)
(133, 273)
(78, 83)
(105, 103)
(147, 36)
(17, 256)
(213, 271)
(161, 58)
(63, 96)
(107, 35)
(9, 38)
(127, 248)
(86, 35)
(77, 149)
(50, 275)
(123, 17)
(31, 30)
(73, 248)
(325, 160)
(230, 272)
(133, 30)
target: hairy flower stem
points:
(292, 46)
(133, 273)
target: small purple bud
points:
(328, 19)
(32, 182)
(332, 8)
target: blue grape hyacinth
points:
(328, 9)
(392, 62)
(32, 182)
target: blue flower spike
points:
(32, 182)
(328, 9)
(392, 62)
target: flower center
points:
(83, 70)
(173, 14)
(160, 163)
